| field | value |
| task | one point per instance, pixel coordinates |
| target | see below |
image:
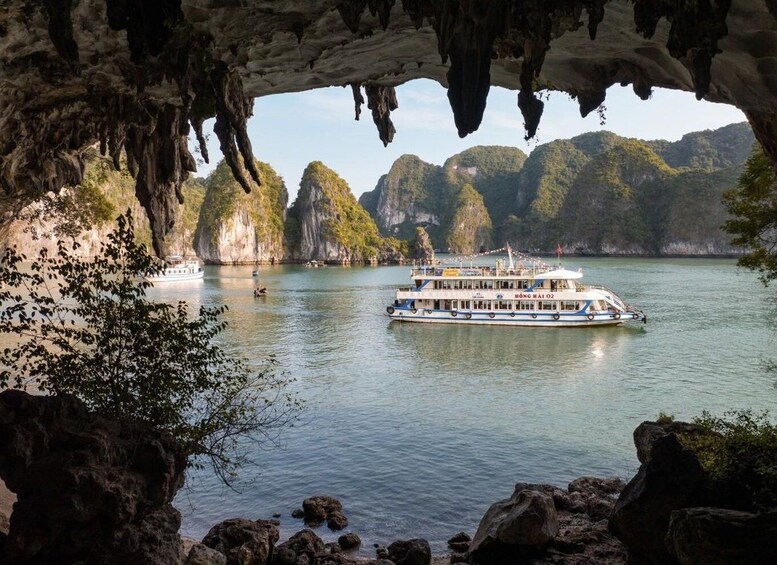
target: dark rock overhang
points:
(137, 76)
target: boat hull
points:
(177, 278)
(540, 319)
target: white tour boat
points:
(178, 269)
(530, 293)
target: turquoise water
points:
(418, 428)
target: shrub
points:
(742, 451)
(86, 328)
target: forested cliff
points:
(597, 193)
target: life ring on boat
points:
(590, 316)
(617, 316)
(468, 316)
(491, 315)
(534, 315)
(390, 309)
(556, 316)
(454, 313)
(427, 311)
(512, 314)
(414, 310)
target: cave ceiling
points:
(136, 78)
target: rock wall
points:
(89, 489)
(331, 226)
(235, 227)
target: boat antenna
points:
(510, 256)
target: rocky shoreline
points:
(93, 491)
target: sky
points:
(288, 131)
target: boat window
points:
(457, 284)
(546, 305)
(482, 305)
(446, 304)
(503, 305)
(489, 283)
(569, 305)
(437, 285)
(553, 285)
(465, 304)
(525, 305)
(467, 284)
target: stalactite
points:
(469, 47)
(232, 113)
(383, 10)
(351, 11)
(358, 99)
(696, 28)
(595, 9)
(415, 9)
(197, 127)
(382, 100)
(158, 155)
(589, 100)
(149, 25)
(61, 28)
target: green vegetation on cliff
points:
(708, 150)
(324, 194)
(265, 204)
(603, 209)
(597, 192)
(470, 226)
(491, 170)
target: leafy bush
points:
(742, 451)
(753, 207)
(86, 328)
(664, 418)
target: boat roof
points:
(559, 274)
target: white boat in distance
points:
(178, 269)
(530, 293)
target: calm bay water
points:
(418, 428)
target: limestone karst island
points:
(388, 282)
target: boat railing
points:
(617, 300)
(437, 271)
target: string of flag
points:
(516, 255)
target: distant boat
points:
(315, 264)
(260, 291)
(255, 273)
(178, 269)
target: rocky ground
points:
(95, 492)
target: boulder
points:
(596, 495)
(582, 536)
(336, 521)
(349, 541)
(201, 554)
(89, 489)
(304, 542)
(460, 542)
(528, 518)
(715, 536)
(320, 509)
(671, 479)
(647, 433)
(410, 552)
(244, 542)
